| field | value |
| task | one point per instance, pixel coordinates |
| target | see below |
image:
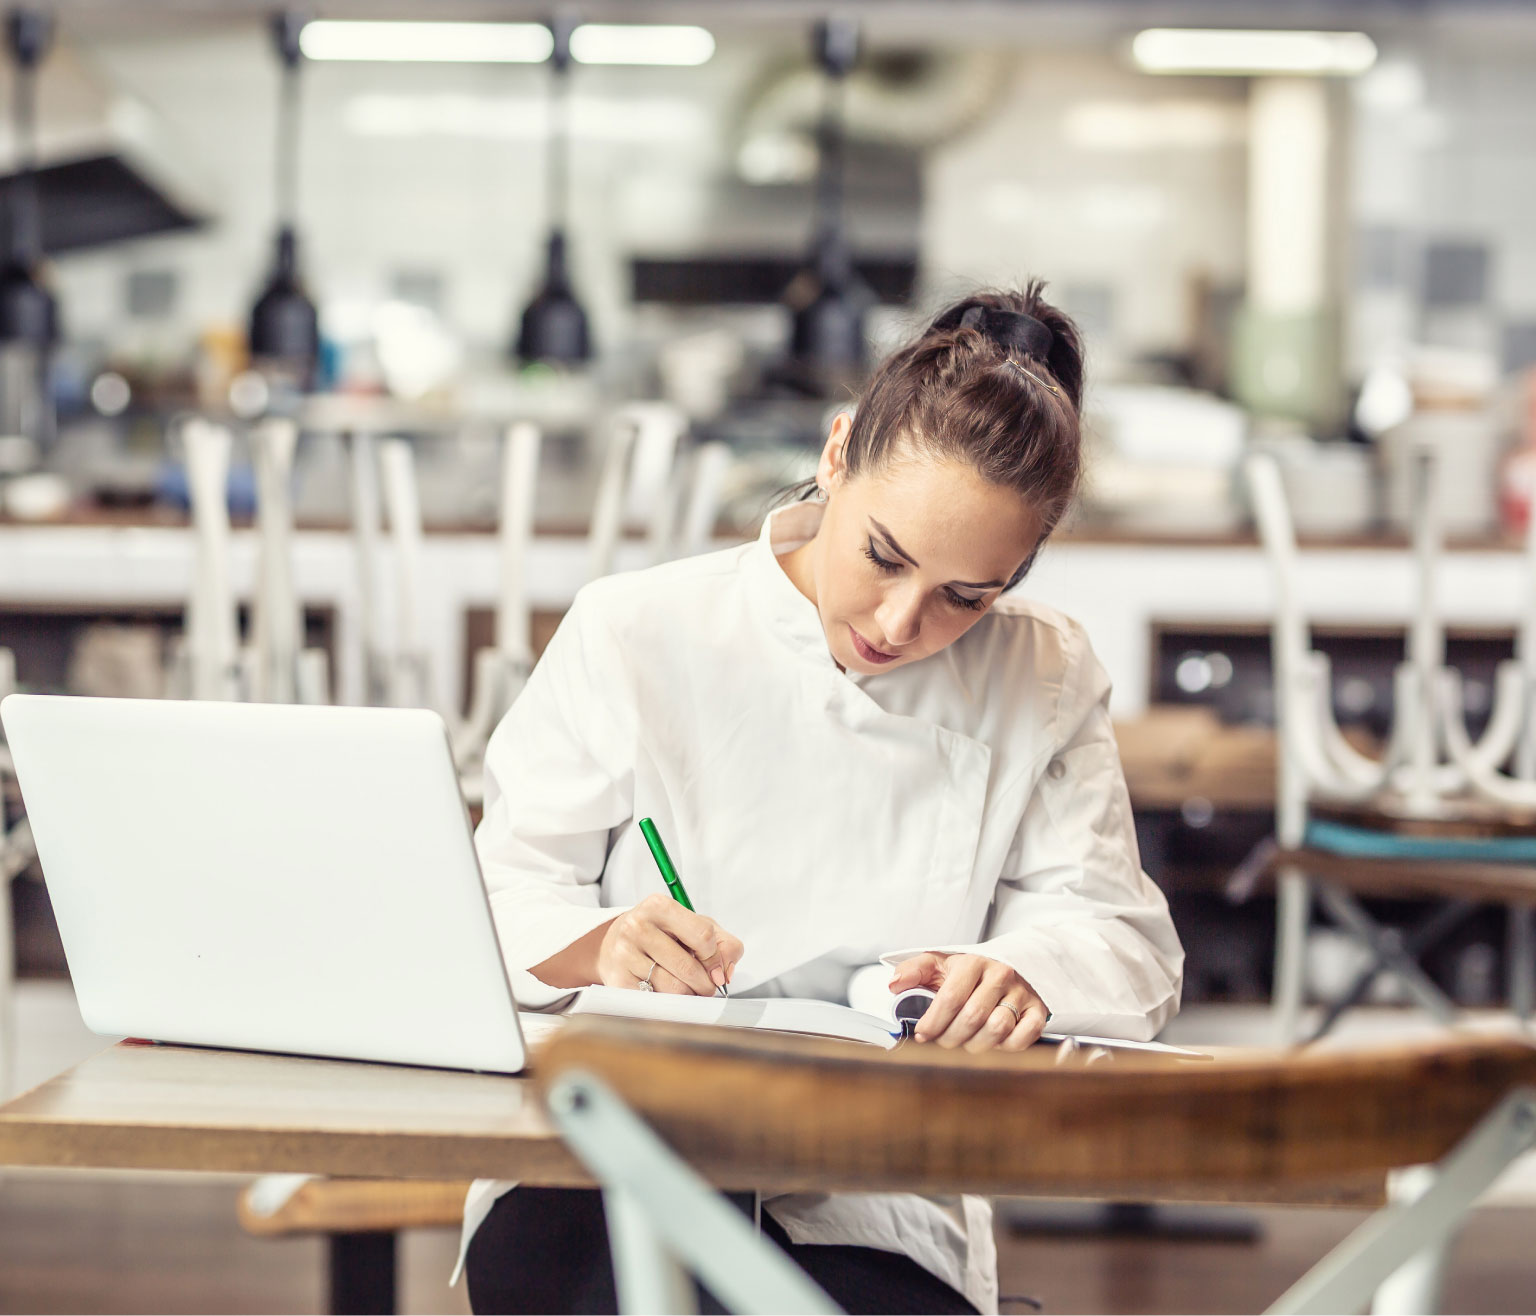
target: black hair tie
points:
(1013, 331)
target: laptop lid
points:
(270, 877)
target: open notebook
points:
(786, 1014)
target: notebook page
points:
(777, 1014)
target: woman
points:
(857, 756)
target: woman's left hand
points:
(979, 1003)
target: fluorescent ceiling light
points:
(428, 43)
(634, 43)
(1238, 51)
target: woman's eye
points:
(884, 564)
(960, 601)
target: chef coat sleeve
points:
(559, 774)
(1073, 912)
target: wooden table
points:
(136, 1106)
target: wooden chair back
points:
(782, 1113)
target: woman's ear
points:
(832, 470)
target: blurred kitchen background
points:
(689, 228)
(339, 347)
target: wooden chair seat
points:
(1403, 878)
(359, 1206)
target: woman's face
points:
(909, 556)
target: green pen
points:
(669, 873)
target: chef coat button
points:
(1057, 770)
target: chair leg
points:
(1293, 909)
(1417, 1284)
(1422, 1221)
(648, 1278)
(1522, 960)
(1347, 1001)
(665, 1204)
(1390, 949)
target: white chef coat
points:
(970, 801)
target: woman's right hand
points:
(681, 952)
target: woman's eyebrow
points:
(891, 540)
(901, 552)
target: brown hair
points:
(995, 381)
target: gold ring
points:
(1006, 1006)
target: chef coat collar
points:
(791, 616)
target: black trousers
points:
(546, 1250)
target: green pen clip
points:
(664, 862)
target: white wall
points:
(1092, 174)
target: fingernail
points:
(717, 976)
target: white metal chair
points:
(396, 664)
(367, 521)
(710, 467)
(205, 662)
(636, 483)
(208, 661)
(17, 852)
(650, 1112)
(283, 670)
(412, 682)
(500, 670)
(1428, 768)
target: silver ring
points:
(645, 985)
(1006, 1006)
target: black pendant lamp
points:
(829, 299)
(285, 330)
(554, 325)
(29, 315)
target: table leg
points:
(362, 1274)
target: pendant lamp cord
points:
(27, 33)
(829, 182)
(557, 161)
(287, 28)
(288, 149)
(837, 50)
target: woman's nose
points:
(901, 616)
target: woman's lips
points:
(868, 652)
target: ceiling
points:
(894, 18)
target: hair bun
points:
(1013, 331)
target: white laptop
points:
(268, 877)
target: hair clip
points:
(1030, 375)
(1013, 331)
